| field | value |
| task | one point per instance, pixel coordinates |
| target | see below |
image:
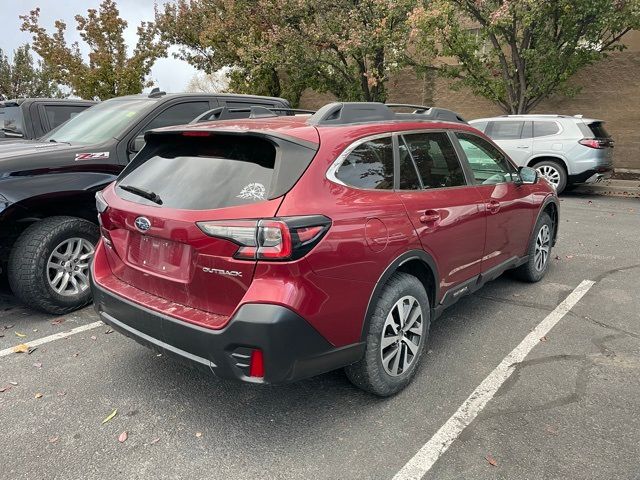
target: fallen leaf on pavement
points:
(108, 332)
(557, 257)
(4, 389)
(111, 415)
(53, 439)
(543, 339)
(93, 337)
(569, 256)
(22, 348)
(31, 350)
(1, 335)
(35, 329)
(198, 434)
(154, 441)
(37, 365)
(123, 437)
(38, 395)
(57, 321)
(21, 335)
(15, 384)
(492, 461)
(7, 327)
(62, 394)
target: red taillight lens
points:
(591, 143)
(270, 239)
(256, 366)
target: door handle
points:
(430, 216)
(522, 146)
(493, 206)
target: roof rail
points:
(225, 113)
(344, 113)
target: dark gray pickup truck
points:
(48, 216)
(30, 118)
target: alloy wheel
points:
(68, 266)
(551, 174)
(543, 241)
(401, 336)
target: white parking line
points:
(51, 338)
(422, 461)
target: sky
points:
(169, 74)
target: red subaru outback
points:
(275, 248)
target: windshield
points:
(99, 123)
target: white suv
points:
(565, 150)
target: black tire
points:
(28, 271)
(369, 373)
(559, 168)
(529, 272)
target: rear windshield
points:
(595, 130)
(11, 121)
(201, 173)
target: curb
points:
(612, 187)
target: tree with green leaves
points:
(110, 71)
(280, 47)
(518, 52)
(22, 78)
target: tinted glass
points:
(102, 122)
(505, 130)
(369, 166)
(179, 114)
(12, 121)
(205, 173)
(436, 160)
(542, 129)
(488, 164)
(408, 175)
(58, 114)
(598, 130)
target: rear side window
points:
(505, 130)
(58, 114)
(12, 124)
(597, 130)
(369, 166)
(543, 129)
(435, 159)
(194, 173)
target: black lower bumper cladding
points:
(292, 348)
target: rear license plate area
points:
(160, 256)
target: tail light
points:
(256, 365)
(270, 239)
(592, 143)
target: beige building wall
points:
(610, 90)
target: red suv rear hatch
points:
(156, 225)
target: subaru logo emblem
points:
(143, 224)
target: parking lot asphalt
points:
(569, 410)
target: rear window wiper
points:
(154, 197)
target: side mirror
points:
(136, 145)
(528, 175)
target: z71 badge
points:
(92, 156)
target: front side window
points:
(435, 159)
(488, 164)
(179, 114)
(369, 166)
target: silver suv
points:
(565, 150)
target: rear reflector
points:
(256, 367)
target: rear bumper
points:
(292, 348)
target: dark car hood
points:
(15, 148)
